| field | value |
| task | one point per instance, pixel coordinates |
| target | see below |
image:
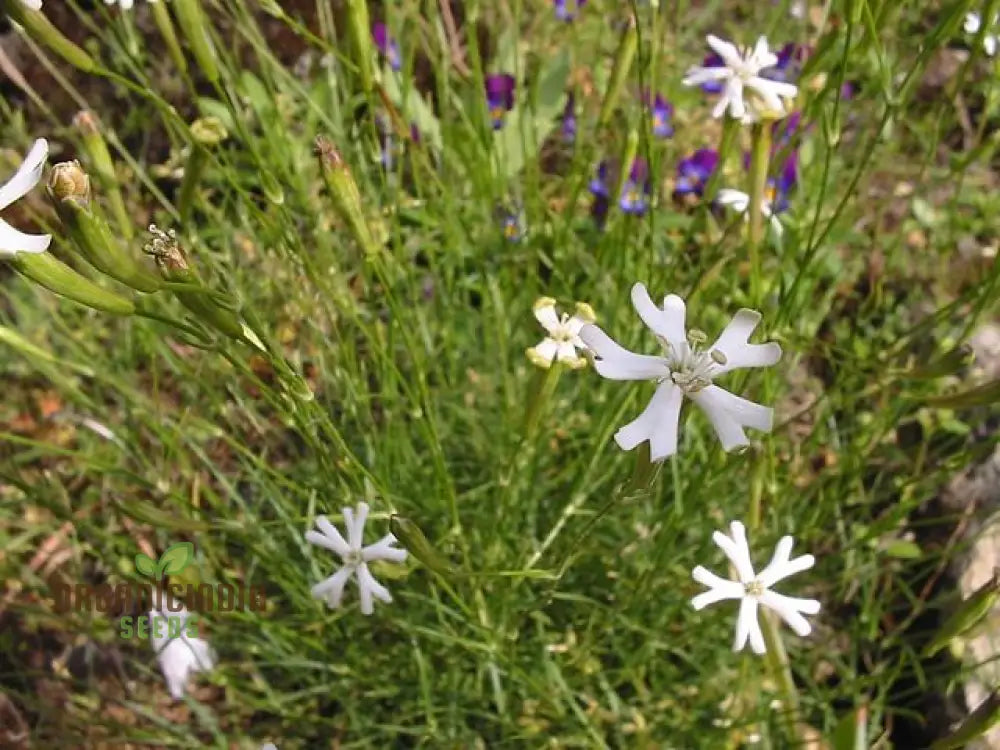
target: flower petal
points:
(368, 587)
(354, 521)
(383, 550)
(13, 241)
(972, 22)
(737, 550)
(332, 589)
(618, 363)
(734, 93)
(567, 354)
(746, 621)
(657, 423)
(668, 322)
(32, 4)
(780, 570)
(990, 45)
(545, 313)
(700, 76)
(734, 344)
(735, 199)
(27, 175)
(330, 538)
(790, 609)
(544, 353)
(729, 414)
(726, 50)
(762, 54)
(719, 588)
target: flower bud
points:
(412, 538)
(344, 192)
(51, 273)
(69, 190)
(968, 614)
(39, 28)
(68, 181)
(96, 149)
(195, 27)
(209, 131)
(161, 16)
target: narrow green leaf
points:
(987, 393)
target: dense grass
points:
(399, 376)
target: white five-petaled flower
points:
(24, 180)
(740, 201)
(740, 75)
(687, 368)
(356, 558)
(563, 340)
(179, 655)
(753, 589)
(974, 22)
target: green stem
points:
(781, 672)
(192, 176)
(760, 154)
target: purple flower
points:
(712, 61)
(694, 171)
(513, 229)
(566, 10)
(780, 186)
(569, 120)
(602, 195)
(662, 113)
(387, 45)
(635, 193)
(499, 96)
(782, 131)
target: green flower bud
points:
(412, 538)
(209, 131)
(968, 614)
(195, 27)
(344, 192)
(51, 273)
(69, 189)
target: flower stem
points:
(781, 672)
(760, 154)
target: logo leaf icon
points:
(145, 565)
(175, 558)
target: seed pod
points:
(69, 190)
(969, 613)
(39, 28)
(97, 152)
(412, 538)
(344, 192)
(51, 273)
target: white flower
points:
(24, 180)
(740, 201)
(741, 72)
(125, 4)
(32, 4)
(563, 340)
(179, 655)
(355, 557)
(974, 22)
(685, 369)
(753, 589)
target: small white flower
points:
(740, 75)
(179, 655)
(740, 201)
(563, 340)
(686, 368)
(973, 23)
(753, 589)
(24, 180)
(356, 558)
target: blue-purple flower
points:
(662, 112)
(712, 61)
(602, 195)
(694, 171)
(569, 120)
(387, 45)
(566, 10)
(635, 192)
(790, 58)
(512, 226)
(780, 186)
(499, 97)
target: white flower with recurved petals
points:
(740, 202)
(13, 241)
(355, 557)
(180, 654)
(754, 589)
(740, 75)
(563, 340)
(687, 368)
